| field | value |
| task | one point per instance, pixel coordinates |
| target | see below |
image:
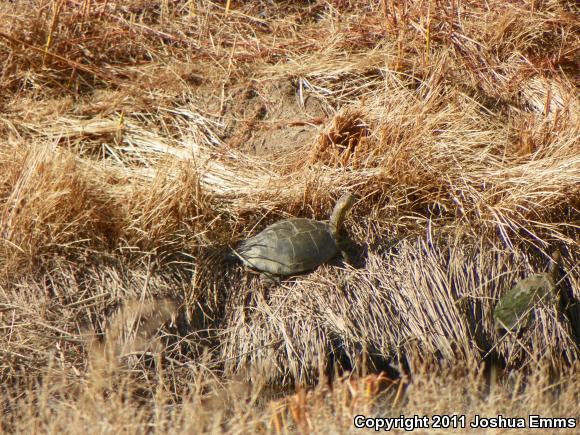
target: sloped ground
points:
(140, 139)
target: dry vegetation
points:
(139, 139)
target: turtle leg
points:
(347, 257)
(268, 280)
(351, 253)
(345, 248)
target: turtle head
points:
(555, 262)
(343, 205)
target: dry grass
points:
(139, 139)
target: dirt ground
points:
(265, 118)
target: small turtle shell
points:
(513, 309)
(289, 246)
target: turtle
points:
(295, 245)
(513, 309)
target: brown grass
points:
(138, 140)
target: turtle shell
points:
(513, 308)
(289, 246)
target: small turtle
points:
(295, 245)
(513, 309)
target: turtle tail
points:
(233, 254)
